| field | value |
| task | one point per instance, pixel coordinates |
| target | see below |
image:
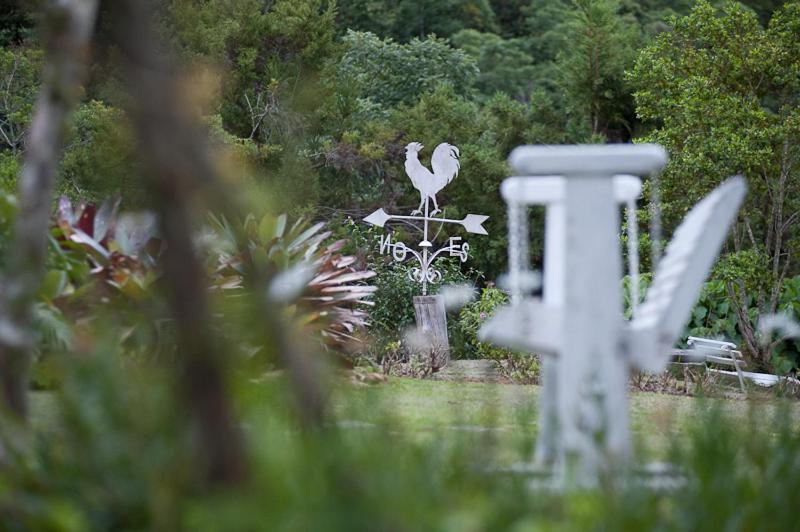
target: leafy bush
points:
(98, 157)
(520, 367)
(715, 317)
(394, 307)
(393, 310)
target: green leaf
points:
(699, 314)
(267, 229)
(280, 226)
(54, 284)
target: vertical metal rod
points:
(655, 221)
(633, 255)
(425, 230)
(425, 251)
(514, 258)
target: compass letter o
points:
(399, 252)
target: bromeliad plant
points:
(98, 259)
(119, 250)
(321, 288)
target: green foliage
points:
(9, 170)
(19, 72)
(520, 367)
(471, 319)
(406, 19)
(510, 16)
(98, 159)
(719, 89)
(269, 91)
(390, 73)
(652, 15)
(16, 22)
(590, 71)
(544, 20)
(504, 64)
(723, 94)
(272, 55)
(713, 315)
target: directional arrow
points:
(472, 223)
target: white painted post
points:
(579, 326)
(582, 277)
(551, 192)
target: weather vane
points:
(445, 164)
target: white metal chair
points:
(718, 352)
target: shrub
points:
(393, 311)
(520, 367)
(714, 316)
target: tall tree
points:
(16, 22)
(510, 16)
(724, 97)
(591, 69)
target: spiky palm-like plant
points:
(321, 288)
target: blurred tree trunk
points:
(67, 29)
(177, 157)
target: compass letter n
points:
(386, 244)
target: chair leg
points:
(739, 374)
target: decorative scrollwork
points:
(428, 275)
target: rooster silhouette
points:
(445, 164)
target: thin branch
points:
(68, 26)
(176, 153)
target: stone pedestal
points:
(432, 322)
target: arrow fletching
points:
(473, 223)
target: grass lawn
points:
(428, 411)
(507, 412)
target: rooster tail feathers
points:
(445, 161)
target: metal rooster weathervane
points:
(445, 164)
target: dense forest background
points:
(313, 101)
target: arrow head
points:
(473, 223)
(378, 218)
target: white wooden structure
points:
(578, 326)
